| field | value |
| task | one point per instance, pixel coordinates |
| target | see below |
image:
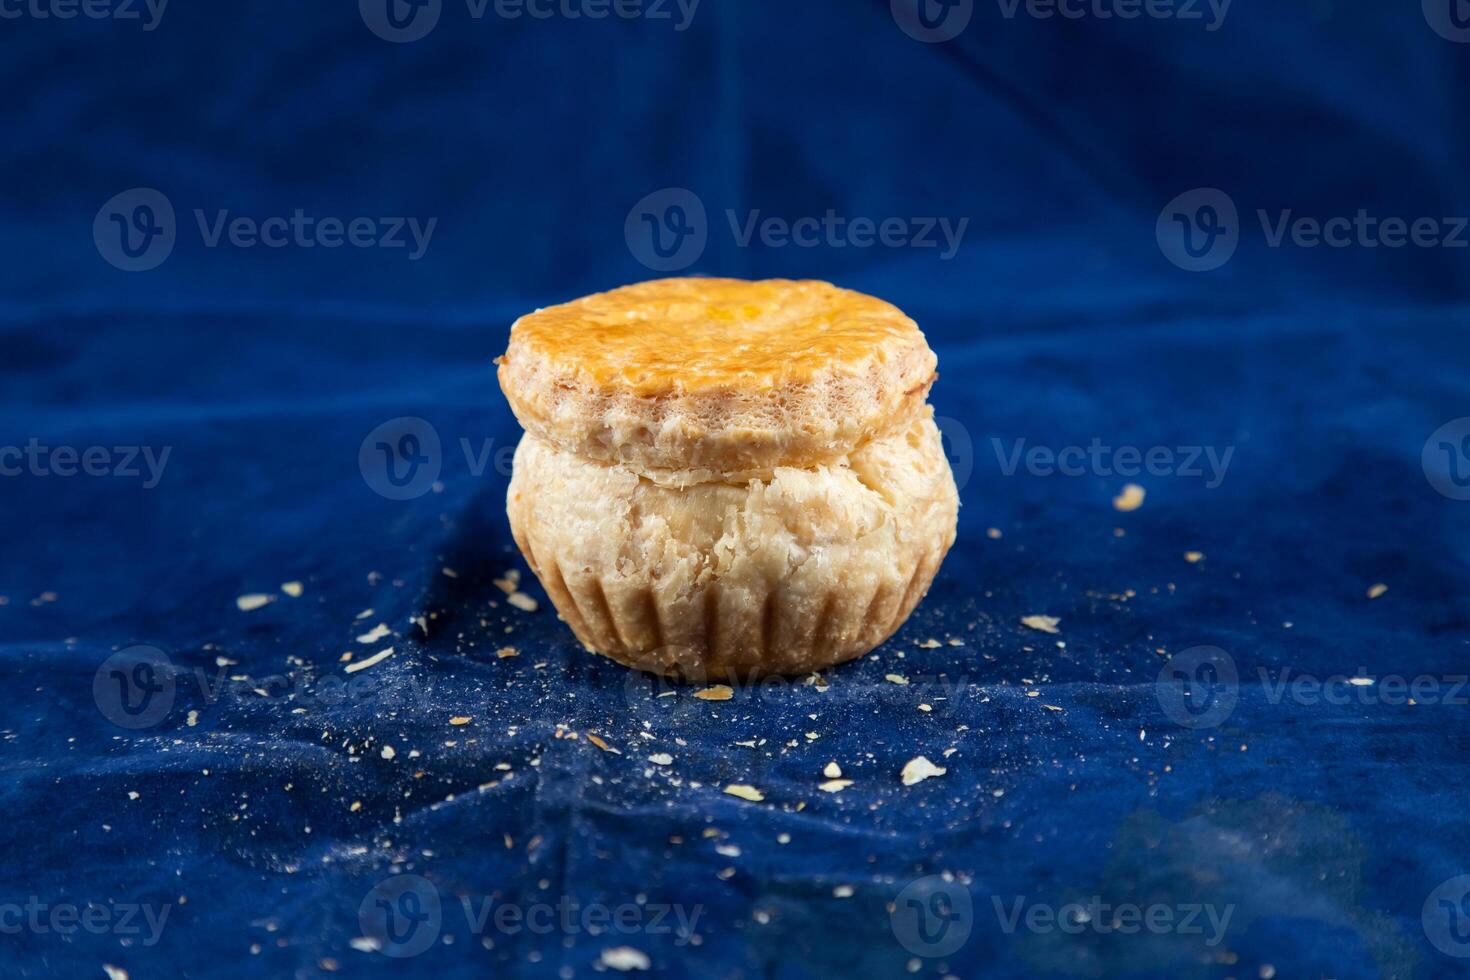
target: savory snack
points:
(722, 479)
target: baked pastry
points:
(724, 479)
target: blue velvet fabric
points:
(214, 783)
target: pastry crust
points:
(698, 380)
(729, 581)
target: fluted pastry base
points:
(719, 582)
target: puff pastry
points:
(724, 479)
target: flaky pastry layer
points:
(689, 380)
(717, 581)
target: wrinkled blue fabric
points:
(256, 807)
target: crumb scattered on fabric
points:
(253, 601)
(717, 692)
(375, 634)
(293, 589)
(1374, 591)
(597, 741)
(376, 658)
(1130, 499)
(918, 769)
(625, 958)
(1194, 557)
(522, 602)
(1044, 624)
(745, 792)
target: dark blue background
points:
(1323, 828)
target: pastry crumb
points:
(253, 601)
(717, 692)
(293, 589)
(375, 634)
(1130, 499)
(522, 602)
(1044, 624)
(918, 769)
(376, 658)
(1374, 591)
(597, 741)
(745, 792)
(624, 958)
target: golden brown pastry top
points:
(697, 380)
(700, 334)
